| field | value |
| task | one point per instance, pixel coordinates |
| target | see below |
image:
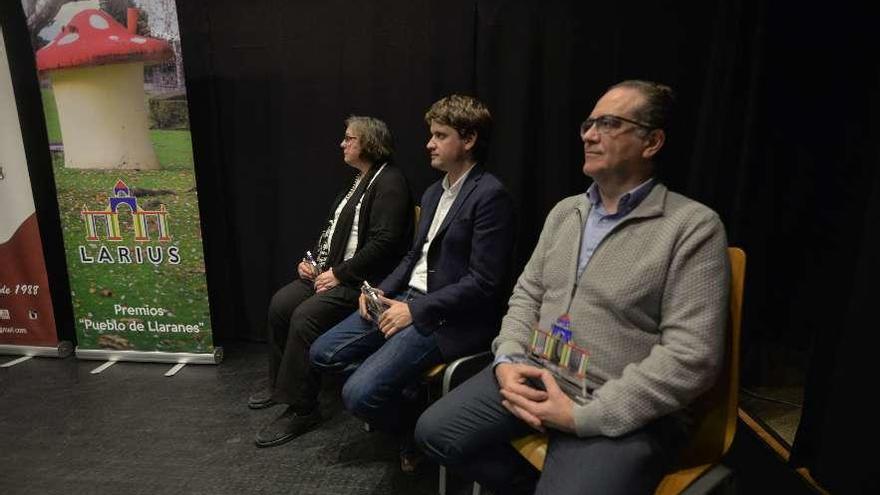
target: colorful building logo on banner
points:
(106, 223)
(111, 217)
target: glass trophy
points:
(308, 258)
(555, 352)
(375, 306)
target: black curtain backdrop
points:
(776, 130)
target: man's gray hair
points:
(656, 113)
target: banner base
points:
(151, 356)
(64, 349)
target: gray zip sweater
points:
(650, 307)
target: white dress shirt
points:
(419, 278)
(353, 237)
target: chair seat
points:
(533, 448)
(677, 481)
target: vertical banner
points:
(111, 78)
(27, 321)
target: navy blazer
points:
(468, 265)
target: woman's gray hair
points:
(377, 143)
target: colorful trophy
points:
(375, 306)
(556, 352)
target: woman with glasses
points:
(368, 230)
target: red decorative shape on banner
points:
(92, 37)
(22, 260)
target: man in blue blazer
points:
(445, 298)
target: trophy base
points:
(574, 387)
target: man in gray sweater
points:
(642, 275)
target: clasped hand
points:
(539, 409)
(322, 282)
(306, 271)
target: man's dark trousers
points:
(469, 431)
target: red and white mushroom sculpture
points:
(97, 71)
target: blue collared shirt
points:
(599, 222)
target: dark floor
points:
(758, 469)
(131, 430)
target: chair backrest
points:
(716, 410)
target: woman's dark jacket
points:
(385, 228)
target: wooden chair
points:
(698, 469)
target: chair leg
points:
(459, 370)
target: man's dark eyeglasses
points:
(607, 123)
